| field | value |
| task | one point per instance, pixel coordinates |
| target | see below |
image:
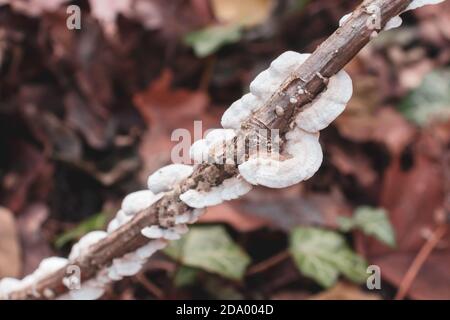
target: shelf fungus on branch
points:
(167, 177)
(261, 89)
(45, 268)
(300, 159)
(211, 149)
(182, 192)
(396, 21)
(301, 156)
(230, 189)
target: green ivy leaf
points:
(430, 101)
(210, 39)
(371, 221)
(97, 221)
(323, 254)
(185, 276)
(211, 249)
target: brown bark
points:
(329, 58)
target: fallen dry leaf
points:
(35, 246)
(385, 126)
(159, 102)
(353, 162)
(230, 214)
(289, 208)
(345, 291)
(413, 193)
(248, 12)
(157, 105)
(433, 279)
(10, 256)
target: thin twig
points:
(268, 263)
(152, 288)
(418, 262)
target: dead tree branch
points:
(329, 58)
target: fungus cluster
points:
(397, 21)
(300, 158)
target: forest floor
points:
(86, 115)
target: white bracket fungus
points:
(132, 204)
(262, 88)
(213, 145)
(396, 21)
(139, 200)
(230, 189)
(45, 268)
(328, 105)
(156, 232)
(167, 177)
(82, 246)
(303, 155)
(90, 290)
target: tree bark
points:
(328, 59)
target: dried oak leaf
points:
(165, 109)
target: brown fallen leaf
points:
(159, 102)
(248, 12)
(230, 214)
(288, 208)
(385, 126)
(10, 255)
(432, 281)
(157, 105)
(345, 291)
(98, 131)
(353, 162)
(27, 169)
(35, 246)
(413, 194)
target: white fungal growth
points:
(214, 142)
(112, 225)
(128, 265)
(230, 189)
(139, 200)
(328, 105)
(90, 290)
(132, 204)
(167, 177)
(82, 246)
(262, 88)
(304, 155)
(420, 3)
(150, 248)
(8, 285)
(47, 267)
(156, 232)
(396, 22)
(393, 23)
